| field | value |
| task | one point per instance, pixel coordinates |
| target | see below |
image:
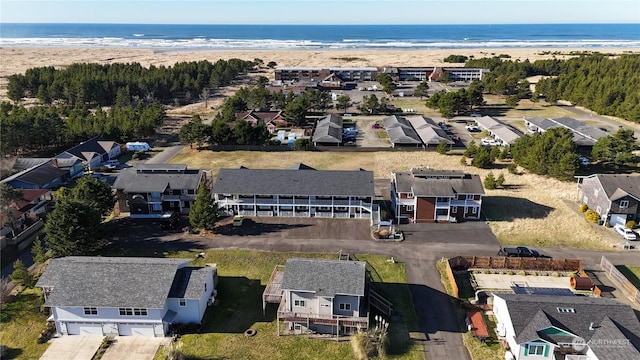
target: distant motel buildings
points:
(398, 74)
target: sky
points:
(321, 11)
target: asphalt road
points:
(166, 155)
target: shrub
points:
(509, 272)
(630, 224)
(592, 216)
(555, 274)
(512, 168)
(490, 181)
(20, 274)
(522, 273)
(442, 147)
(500, 180)
(583, 208)
(463, 161)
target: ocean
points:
(323, 36)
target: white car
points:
(472, 128)
(626, 233)
(489, 142)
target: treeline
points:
(40, 128)
(605, 85)
(452, 103)
(100, 85)
(598, 82)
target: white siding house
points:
(125, 296)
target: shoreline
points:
(17, 59)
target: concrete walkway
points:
(134, 348)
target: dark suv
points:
(169, 221)
(519, 251)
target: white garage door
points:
(619, 219)
(84, 329)
(136, 329)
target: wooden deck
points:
(477, 325)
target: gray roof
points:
(26, 163)
(403, 136)
(328, 130)
(616, 185)
(394, 121)
(92, 147)
(501, 131)
(294, 182)
(583, 134)
(611, 321)
(132, 181)
(39, 175)
(110, 281)
(428, 131)
(442, 186)
(325, 277)
(189, 282)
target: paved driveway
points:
(75, 347)
(134, 348)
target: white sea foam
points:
(141, 41)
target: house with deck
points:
(566, 327)
(125, 295)
(320, 296)
(427, 195)
(300, 191)
(615, 197)
(153, 190)
(273, 120)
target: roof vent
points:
(564, 310)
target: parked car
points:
(489, 142)
(237, 220)
(455, 138)
(520, 251)
(584, 161)
(476, 115)
(169, 220)
(625, 232)
(376, 126)
(472, 128)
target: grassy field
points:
(531, 210)
(242, 277)
(20, 324)
(632, 273)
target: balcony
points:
(350, 321)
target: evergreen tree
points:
(500, 180)
(343, 102)
(72, 228)
(617, 149)
(422, 90)
(204, 213)
(94, 193)
(490, 181)
(38, 251)
(442, 147)
(20, 274)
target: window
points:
(473, 210)
(565, 310)
(183, 302)
(585, 199)
(536, 349)
(126, 311)
(409, 195)
(139, 312)
(90, 311)
(595, 192)
(469, 196)
(344, 306)
(624, 204)
(442, 199)
(409, 207)
(299, 303)
(599, 210)
(454, 210)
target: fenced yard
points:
(621, 280)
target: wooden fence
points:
(620, 280)
(514, 263)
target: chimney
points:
(591, 326)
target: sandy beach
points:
(17, 59)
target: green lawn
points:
(632, 273)
(20, 324)
(243, 275)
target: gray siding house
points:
(318, 296)
(296, 192)
(125, 296)
(615, 197)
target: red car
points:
(376, 126)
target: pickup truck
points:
(519, 251)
